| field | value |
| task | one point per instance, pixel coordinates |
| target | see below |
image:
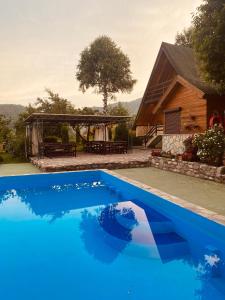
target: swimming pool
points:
(90, 235)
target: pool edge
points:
(199, 210)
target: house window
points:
(172, 121)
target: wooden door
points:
(172, 121)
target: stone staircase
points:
(143, 233)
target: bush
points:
(188, 143)
(211, 146)
(191, 149)
(135, 140)
(121, 132)
(1, 159)
(16, 147)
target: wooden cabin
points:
(176, 102)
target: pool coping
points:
(204, 212)
(199, 210)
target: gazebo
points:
(37, 147)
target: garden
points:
(208, 148)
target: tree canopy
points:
(185, 37)
(209, 41)
(118, 110)
(54, 104)
(104, 67)
(206, 36)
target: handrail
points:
(152, 132)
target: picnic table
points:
(106, 147)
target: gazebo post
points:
(88, 133)
(105, 133)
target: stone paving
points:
(84, 161)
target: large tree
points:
(209, 41)
(54, 104)
(118, 110)
(185, 37)
(104, 67)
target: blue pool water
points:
(89, 235)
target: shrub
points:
(191, 149)
(121, 132)
(211, 146)
(1, 159)
(16, 147)
(188, 143)
(135, 140)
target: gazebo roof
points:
(76, 119)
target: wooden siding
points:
(193, 109)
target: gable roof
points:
(184, 63)
(178, 81)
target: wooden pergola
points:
(36, 122)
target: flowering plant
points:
(211, 145)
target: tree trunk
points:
(105, 102)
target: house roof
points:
(184, 63)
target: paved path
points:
(84, 161)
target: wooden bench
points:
(58, 149)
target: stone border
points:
(194, 169)
(92, 166)
(213, 216)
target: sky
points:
(41, 41)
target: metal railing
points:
(153, 131)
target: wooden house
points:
(176, 102)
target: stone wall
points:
(174, 143)
(194, 169)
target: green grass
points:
(9, 159)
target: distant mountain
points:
(11, 111)
(131, 106)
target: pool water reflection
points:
(87, 241)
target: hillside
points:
(11, 110)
